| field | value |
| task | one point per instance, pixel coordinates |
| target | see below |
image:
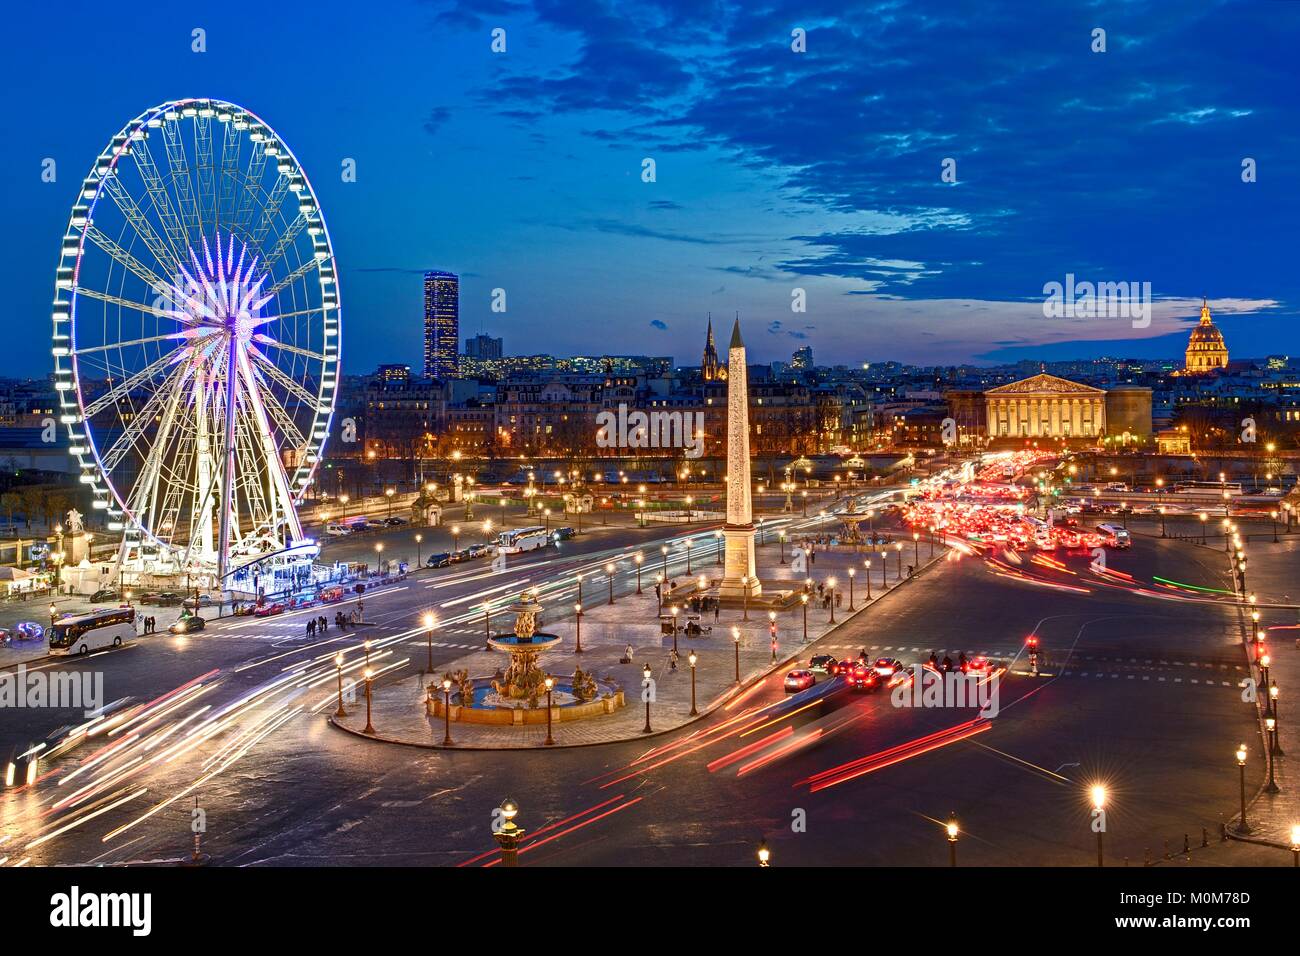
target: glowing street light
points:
(952, 841)
(1242, 826)
(735, 640)
(1098, 793)
(428, 641)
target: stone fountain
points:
(523, 679)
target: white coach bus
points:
(92, 631)
(517, 540)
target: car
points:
(337, 530)
(799, 680)
(861, 677)
(330, 595)
(105, 594)
(841, 668)
(822, 664)
(980, 666)
(163, 598)
(267, 610)
(394, 521)
(563, 534)
(441, 560)
(890, 670)
(478, 551)
(188, 624)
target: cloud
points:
(436, 119)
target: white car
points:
(337, 530)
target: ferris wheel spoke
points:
(270, 211)
(229, 175)
(275, 344)
(284, 381)
(144, 416)
(128, 304)
(292, 433)
(162, 249)
(124, 258)
(205, 169)
(127, 344)
(286, 240)
(160, 199)
(128, 385)
(182, 183)
(295, 275)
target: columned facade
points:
(1045, 406)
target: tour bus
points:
(517, 540)
(1116, 532)
(88, 632)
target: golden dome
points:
(1206, 349)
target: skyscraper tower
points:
(738, 570)
(441, 324)
(710, 368)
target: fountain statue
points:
(523, 679)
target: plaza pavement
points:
(398, 708)
(1273, 574)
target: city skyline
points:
(742, 214)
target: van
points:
(1117, 533)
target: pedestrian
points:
(627, 655)
(839, 599)
(716, 611)
(672, 659)
(311, 628)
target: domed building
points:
(1206, 350)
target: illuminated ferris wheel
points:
(196, 338)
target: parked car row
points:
(338, 529)
(445, 559)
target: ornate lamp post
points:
(663, 550)
(867, 575)
(446, 711)
(1270, 735)
(577, 617)
(638, 559)
(830, 593)
(852, 572)
(645, 687)
(675, 611)
(550, 686)
(771, 630)
(687, 542)
(428, 643)
(370, 727)
(692, 658)
(508, 834)
(1242, 826)
(659, 591)
(419, 553)
(803, 599)
(781, 537)
(609, 576)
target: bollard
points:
(1205, 837)
(1167, 856)
(1187, 844)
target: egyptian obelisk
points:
(738, 573)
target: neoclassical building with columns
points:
(1048, 406)
(1045, 406)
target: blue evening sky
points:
(776, 170)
